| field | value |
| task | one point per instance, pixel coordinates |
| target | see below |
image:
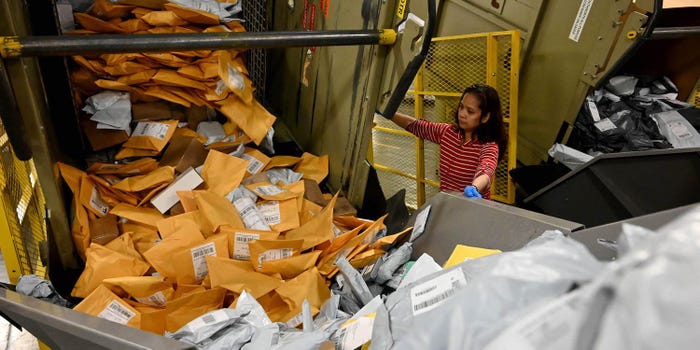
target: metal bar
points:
(674, 32)
(11, 120)
(66, 45)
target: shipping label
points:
(199, 259)
(430, 294)
(117, 312)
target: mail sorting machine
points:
(28, 116)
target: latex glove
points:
(471, 191)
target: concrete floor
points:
(12, 338)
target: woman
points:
(471, 147)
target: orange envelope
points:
(239, 238)
(293, 266)
(270, 192)
(310, 285)
(280, 215)
(80, 229)
(187, 308)
(90, 197)
(229, 274)
(112, 85)
(236, 81)
(143, 236)
(105, 304)
(222, 172)
(152, 136)
(317, 230)
(104, 263)
(170, 77)
(313, 167)
(158, 177)
(188, 221)
(107, 10)
(253, 119)
(217, 211)
(266, 250)
(160, 256)
(137, 78)
(97, 25)
(124, 244)
(149, 290)
(191, 264)
(257, 159)
(126, 68)
(282, 162)
(133, 25)
(160, 93)
(163, 19)
(127, 152)
(192, 72)
(367, 257)
(192, 15)
(152, 318)
(148, 216)
(387, 241)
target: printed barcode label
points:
(199, 261)
(249, 214)
(240, 245)
(680, 130)
(269, 190)
(116, 312)
(254, 165)
(208, 319)
(274, 254)
(97, 203)
(157, 130)
(156, 299)
(428, 295)
(295, 321)
(270, 212)
(353, 335)
(605, 125)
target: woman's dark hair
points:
(489, 102)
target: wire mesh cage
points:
(22, 226)
(255, 16)
(452, 64)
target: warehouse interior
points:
(154, 150)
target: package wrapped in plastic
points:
(225, 328)
(568, 156)
(465, 306)
(392, 261)
(287, 176)
(655, 291)
(643, 300)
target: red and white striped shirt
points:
(460, 162)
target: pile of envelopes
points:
(179, 226)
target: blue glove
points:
(471, 191)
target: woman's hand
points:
(471, 191)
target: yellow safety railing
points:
(22, 224)
(453, 63)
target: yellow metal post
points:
(420, 157)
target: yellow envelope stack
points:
(231, 228)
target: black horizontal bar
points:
(66, 45)
(674, 32)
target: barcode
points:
(434, 300)
(116, 307)
(245, 238)
(208, 319)
(247, 210)
(272, 219)
(432, 288)
(202, 251)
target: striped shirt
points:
(460, 162)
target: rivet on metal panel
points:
(600, 37)
(616, 23)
